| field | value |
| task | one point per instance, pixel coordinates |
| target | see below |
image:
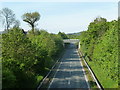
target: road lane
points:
(70, 72)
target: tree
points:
(99, 19)
(31, 18)
(17, 59)
(100, 46)
(16, 23)
(8, 17)
(63, 35)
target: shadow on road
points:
(68, 71)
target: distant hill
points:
(74, 35)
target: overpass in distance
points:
(72, 41)
(69, 72)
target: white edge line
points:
(83, 71)
(92, 74)
(48, 74)
(54, 75)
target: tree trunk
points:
(32, 28)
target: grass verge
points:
(101, 75)
(91, 81)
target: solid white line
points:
(47, 75)
(55, 75)
(92, 74)
(84, 71)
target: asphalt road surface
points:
(70, 73)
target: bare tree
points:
(8, 17)
(31, 19)
(16, 23)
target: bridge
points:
(72, 41)
(68, 72)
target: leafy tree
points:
(17, 55)
(63, 35)
(100, 46)
(31, 19)
(15, 44)
(8, 78)
(27, 57)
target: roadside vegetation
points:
(90, 78)
(27, 56)
(74, 35)
(99, 44)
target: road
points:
(70, 73)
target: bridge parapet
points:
(71, 40)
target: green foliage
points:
(16, 48)
(9, 78)
(100, 44)
(26, 56)
(63, 35)
(39, 78)
(74, 35)
(31, 19)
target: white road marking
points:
(69, 72)
(47, 75)
(84, 72)
(55, 74)
(69, 81)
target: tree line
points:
(27, 56)
(99, 45)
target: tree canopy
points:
(26, 58)
(31, 19)
(63, 35)
(99, 45)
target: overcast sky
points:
(66, 17)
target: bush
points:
(100, 44)
(8, 79)
(26, 56)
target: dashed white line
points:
(69, 81)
